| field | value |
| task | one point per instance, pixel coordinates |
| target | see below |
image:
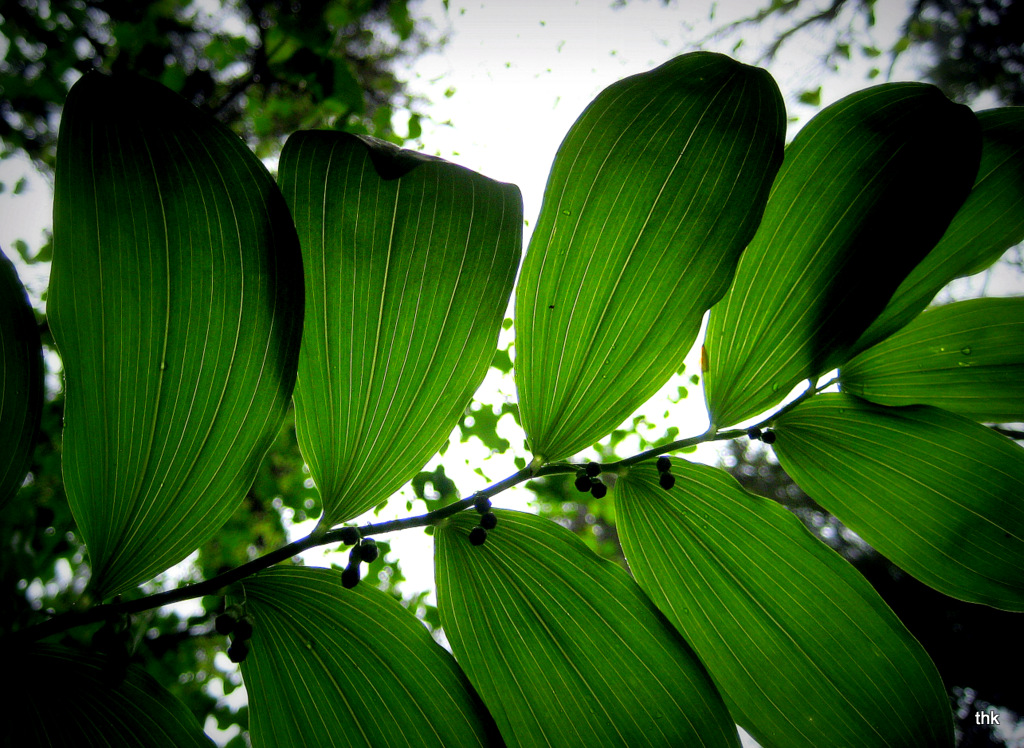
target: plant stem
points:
(215, 584)
(713, 435)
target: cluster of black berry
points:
(768, 437)
(364, 550)
(587, 480)
(488, 521)
(665, 478)
(234, 621)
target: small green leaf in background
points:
(652, 196)
(21, 381)
(811, 96)
(936, 493)
(409, 264)
(176, 303)
(563, 647)
(443, 489)
(801, 647)
(330, 666)
(67, 698)
(966, 357)
(867, 188)
(989, 222)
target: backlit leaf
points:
(563, 647)
(330, 666)
(67, 698)
(21, 381)
(409, 264)
(967, 357)
(652, 196)
(176, 304)
(867, 188)
(990, 221)
(801, 647)
(936, 493)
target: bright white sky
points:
(522, 71)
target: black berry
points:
(350, 576)
(582, 483)
(599, 489)
(754, 434)
(243, 631)
(224, 623)
(664, 464)
(350, 535)
(483, 504)
(488, 521)
(477, 536)
(769, 437)
(667, 480)
(592, 469)
(368, 550)
(238, 651)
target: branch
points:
(755, 19)
(215, 584)
(826, 16)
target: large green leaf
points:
(409, 264)
(21, 381)
(804, 651)
(967, 357)
(67, 698)
(563, 647)
(989, 222)
(176, 304)
(652, 196)
(867, 188)
(330, 666)
(937, 493)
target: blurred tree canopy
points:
(976, 46)
(264, 67)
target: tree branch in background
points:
(1012, 433)
(977, 45)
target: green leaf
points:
(966, 357)
(176, 304)
(67, 698)
(936, 493)
(989, 222)
(803, 650)
(867, 188)
(349, 667)
(652, 196)
(409, 264)
(811, 97)
(21, 381)
(563, 647)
